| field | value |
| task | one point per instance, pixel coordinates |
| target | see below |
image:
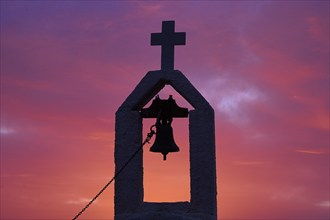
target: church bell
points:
(164, 142)
(164, 110)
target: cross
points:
(168, 39)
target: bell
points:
(164, 142)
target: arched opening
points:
(168, 181)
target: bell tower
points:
(129, 201)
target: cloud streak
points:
(79, 201)
(310, 152)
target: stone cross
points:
(168, 39)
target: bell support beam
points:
(164, 108)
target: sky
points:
(66, 67)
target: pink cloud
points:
(310, 152)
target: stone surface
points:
(163, 216)
(202, 162)
(154, 81)
(129, 184)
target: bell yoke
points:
(164, 110)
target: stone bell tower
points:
(129, 201)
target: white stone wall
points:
(129, 185)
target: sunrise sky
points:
(66, 66)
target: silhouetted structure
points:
(168, 39)
(129, 203)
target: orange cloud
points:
(248, 163)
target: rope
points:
(149, 136)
